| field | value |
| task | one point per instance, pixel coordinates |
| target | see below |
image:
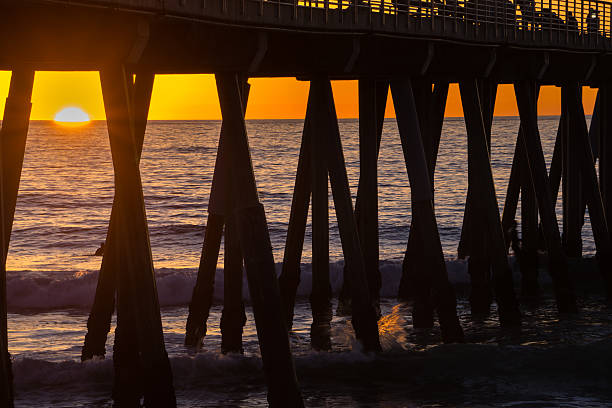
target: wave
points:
(59, 290)
(44, 290)
(512, 372)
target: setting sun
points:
(72, 116)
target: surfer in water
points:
(100, 251)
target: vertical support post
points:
(344, 298)
(525, 96)
(252, 229)
(479, 262)
(483, 187)
(290, 275)
(99, 321)
(219, 203)
(364, 318)
(233, 316)
(422, 203)
(136, 289)
(414, 284)
(12, 148)
(320, 298)
(528, 257)
(605, 148)
(581, 141)
(366, 208)
(572, 196)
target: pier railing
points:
(576, 23)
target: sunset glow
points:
(72, 116)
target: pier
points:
(410, 50)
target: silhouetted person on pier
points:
(100, 251)
(572, 23)
(592, 22)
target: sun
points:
(72, 116)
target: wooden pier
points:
(413, 49)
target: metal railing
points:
(579, 23)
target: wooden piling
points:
(580, 140)
(484, 189)
(364, 318)
(422, 204)
(430, 108)
(218, 207)
(530, 235)
(136, 289)
(320, 298)
(366, 208)
(526, 101)
(572, 185)
(290, 274)
(252, 229)
(415, 285)
(371, 250)
(233, 316)
(99, 321)
(605, 148)
(12, 148)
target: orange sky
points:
(194, 97)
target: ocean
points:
(62, 214)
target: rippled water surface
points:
(62, 213)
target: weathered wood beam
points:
(136, 289)
(218, 207)
(99, 321)
(483, 188)
(525, 96)
(290, 274)
(12, 148)
(254, 237)
(364, 317)
(422, 204)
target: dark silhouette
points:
(592, 22)
(512, 236)
(572, 23)
(100, 251)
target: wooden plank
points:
(484, 189)
(136, 288)
(566, 301)
(99, 321)
(252, 229)
(12, 148)
(364, 317)
(422, 203)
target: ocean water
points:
(62, 213)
